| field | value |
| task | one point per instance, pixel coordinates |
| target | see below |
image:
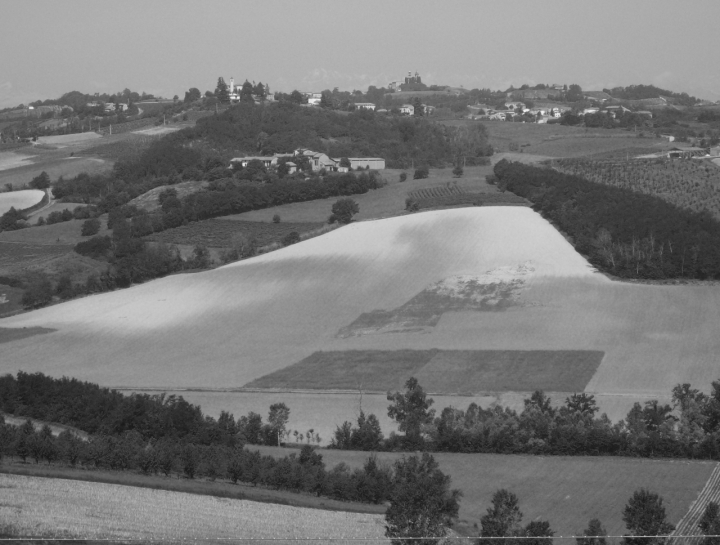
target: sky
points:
(164, 47)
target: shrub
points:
(96, 247)
(403, 176)
(38, 291)
(343, 210)
(291, 238)
(276, 218)
(90, 227)
(457, 171)
(421, 173)
(411, 205)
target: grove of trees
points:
(622, 232)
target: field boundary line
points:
(688, 525)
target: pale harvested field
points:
(65, 139)
(10, 159)
(38, 506)
(20, 200)
(226, 327)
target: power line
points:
(358, 539)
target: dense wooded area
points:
(689, 184)
(627, 234)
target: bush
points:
(96, 247)
(276, 218)
(291, 238)
(421, 173)
(457, 171)
(38, 291)
(411, 205)
(90, 227)
(403, 176)
(343, 210)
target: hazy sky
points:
(49, 47)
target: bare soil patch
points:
(8, 334)
(462, 372)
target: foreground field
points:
(57, 508)
(566, 491)
(487, 278)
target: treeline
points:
(640, 92)
(690, 428)
(628, 234)
(302, 472)
(158, 434)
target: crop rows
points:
(689, 524)
(471, 199)
(436, 191)
(690, 184)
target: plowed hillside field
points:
(491, 279)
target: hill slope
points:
(473, 279)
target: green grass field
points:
(217, 233)
(66, 233)
(561, 141)
(567, 491)
(380, 203)
(439, 371)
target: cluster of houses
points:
(545, 113)
(108, 106)
(318, 161)
(512, 109)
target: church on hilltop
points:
(409, 79)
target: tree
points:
(278, 419)
(411, 410)
(709, 524)
(345, 162)
(421, 173)
(246, 92)
(644, 515)
(297, 97)
(502, 519)
(38, 291)
(538, 532)
(343, 210)
(422, 505)
(90, 227)
(403, 176)
(259, 90)
(326, 100)
(574, 93)
(276, 218)
(293, 237)
(418, 109)
(192, 94)
(594, 534)
(221, 91)
(457, 171)
(41, 181)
